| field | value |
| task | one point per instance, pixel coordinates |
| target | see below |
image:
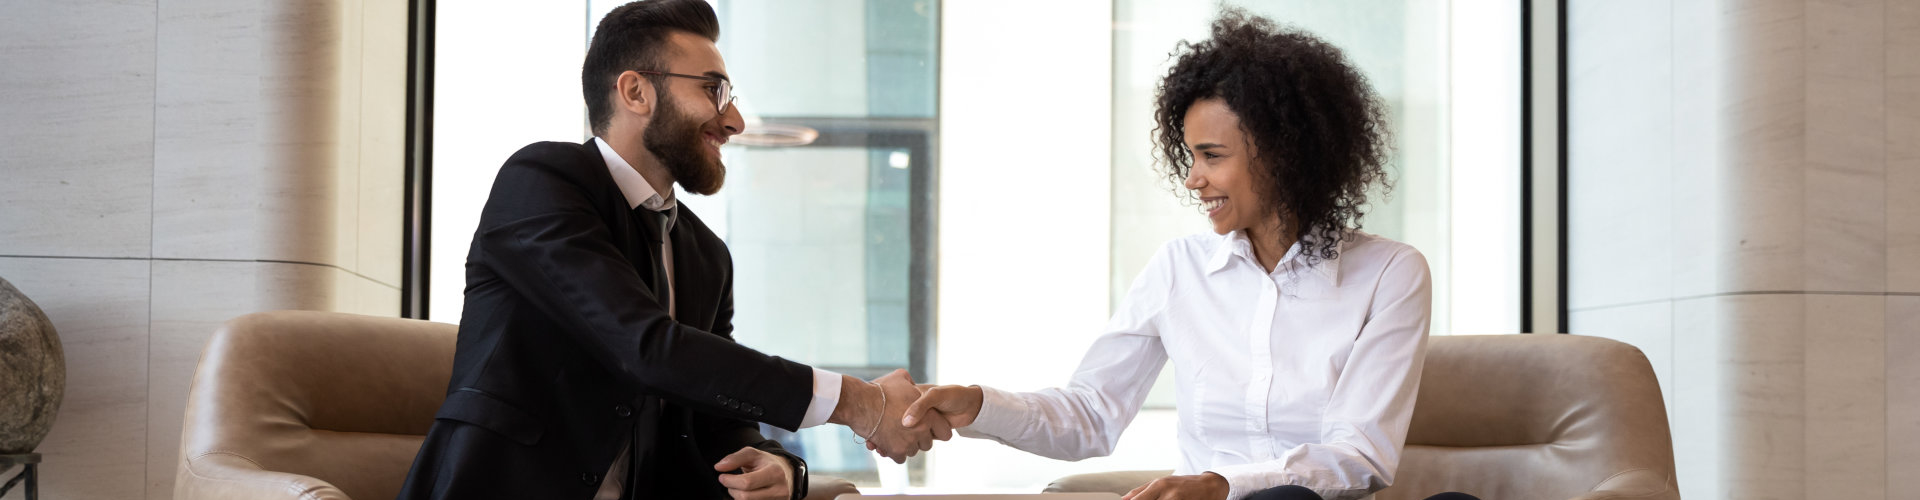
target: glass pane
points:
(823, 235)
(1400, 45)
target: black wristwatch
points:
(799, 474)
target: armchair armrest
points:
(1118, 482)
(828, 487)
(227, 476)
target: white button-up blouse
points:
(1303, 376)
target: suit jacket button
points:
(719, 399)
(756, 411)
(589, 479)
(733, 404)
(622, 411)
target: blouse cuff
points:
(1245, 479)
(1002, 414)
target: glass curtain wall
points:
(1449, 75)
(829, 219)
(832, 233)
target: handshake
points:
(899, 419)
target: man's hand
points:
(763, 476)
(1203, 486)
(957, 406)
(861, 410)
(893, 440)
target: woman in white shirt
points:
(1296, 339)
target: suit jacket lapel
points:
(691, 292)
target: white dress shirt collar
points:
(1236, 244)
(638, 192)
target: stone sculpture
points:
(33, 372)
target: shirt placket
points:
(1259, 345)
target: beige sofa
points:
(313, 405)
(1518, 417)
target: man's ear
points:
(632, 92)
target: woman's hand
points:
(957, 404)
(1203, 486)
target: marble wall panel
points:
(78, 129)
(1903, 146)
(383, 128)
(1620, 85)
(347, 89)
(300, 130)
(1700, 402)
(359, 294)
(100, 309)
(1697, 172)
(1846, 426)
(1903, 394)
(207, 156)
(1762, 138)
(1845, 146)
(1763, 408)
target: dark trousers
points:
(1301, 493)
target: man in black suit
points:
(595, 357)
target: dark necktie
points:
(656, 225)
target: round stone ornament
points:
(33, 372)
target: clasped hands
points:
(909, 418)
(899, 419)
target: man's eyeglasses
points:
(721, 92)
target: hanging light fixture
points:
(773, 135)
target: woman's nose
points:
(1194, 181)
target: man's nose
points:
(732, 121)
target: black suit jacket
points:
(564, 353)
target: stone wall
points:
(167, 165)
(1743, 179)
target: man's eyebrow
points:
(722, 76)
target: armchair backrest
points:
(283, 398)
(1536, 416)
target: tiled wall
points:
(1743, 208)
(170, 164)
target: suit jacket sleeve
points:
(721, 436)
(541, 233)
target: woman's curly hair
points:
(1320, 132)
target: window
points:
(828, 205)
(983, 169)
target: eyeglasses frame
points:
(721, 101)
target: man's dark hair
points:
(1320, 132)
(633, 37)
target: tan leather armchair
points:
(1518, 417)
(313, 405)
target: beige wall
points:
(1743, 208)
(167, 165)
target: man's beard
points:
(676, 140)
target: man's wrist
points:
(855, 407)
(797, 470)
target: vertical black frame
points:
(1527, 165)
(416, 238)
(1560, 74)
